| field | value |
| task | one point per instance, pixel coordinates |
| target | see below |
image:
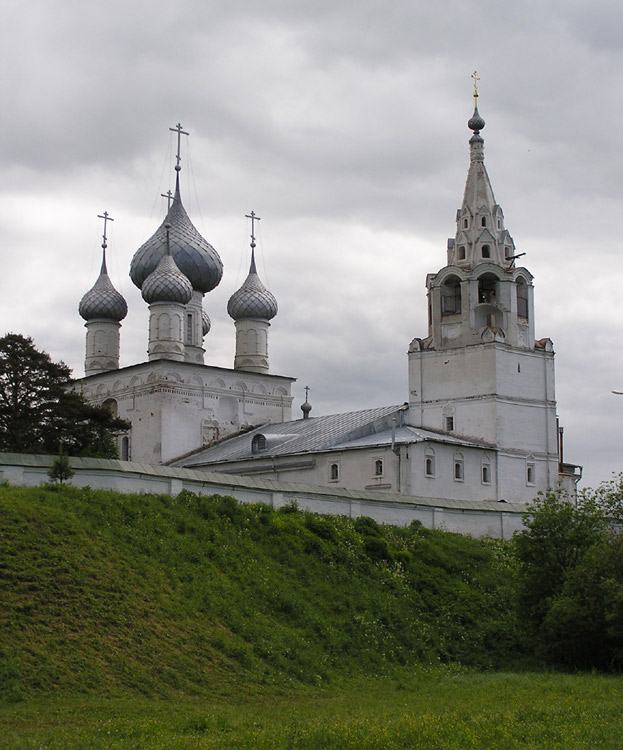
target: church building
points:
(175, 403)
(479, 421)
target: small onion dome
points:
(103, 301)
(306, 408)
(206, 323)
(195, 257)
(167, 284)
(475, 122)
(252, 300)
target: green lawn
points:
(447, 708)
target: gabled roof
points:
(349, 430)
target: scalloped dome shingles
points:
(103, 300)
(195, 257)
(167, 284)
(252, 300)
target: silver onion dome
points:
(252, 300)
(167, 284)
(206, 323)
(195, 257)
(103, 301)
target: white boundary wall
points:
(476, 518)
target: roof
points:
(346, 431)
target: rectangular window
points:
(449, 424)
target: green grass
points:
(437, 708)
(194, 622)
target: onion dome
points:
(475, 122)
(206, 323)
(167, 283)
(252, 300)
(194, 257)
(103, 301)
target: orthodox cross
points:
(178, 129)
(476, 78)
(307, 393)
(253, 218)
(106, 218)
(169, 196)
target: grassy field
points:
(445, 708)
(195, 622)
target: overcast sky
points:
(343, 125)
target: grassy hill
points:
(121, 595)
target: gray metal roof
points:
(356, 429)
(103, 301)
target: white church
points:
(479, 422)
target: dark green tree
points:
(61, 470)
(38, 413)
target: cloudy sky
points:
(343, 125)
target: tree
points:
(61, 470)
(38, 413)
(557, 533)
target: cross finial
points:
(169, 196)
(106, 218)
(253, 218)
(178, 129)
(306, 393)
(476, 78)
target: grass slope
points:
(137, 595)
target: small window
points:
(465, 223)
(334, 472)
(486, 251)
(499, 224)
(430, 467)
(189, 328)
(507, 253)
(486, 474)
(483, 221)
(125, 448)
(461, 252)
(530, 474)
(449, 424)
(258, 443)
(458, 471)
(378, 467)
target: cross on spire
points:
(106, 218)
(253, 218)
(169, 196)
(178, 129)
(306, 393)
(476, 78)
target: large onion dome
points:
(103, 301)
(252, 300)
(194, 257)
(167, 283)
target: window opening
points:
(451, 296)
(486, 475)
(378, 468)
(486, 252)
(335, 472)
(189, 328)
(483, 221)
(449, 424)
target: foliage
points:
(61, 470)
(609, 497)
(38, 413)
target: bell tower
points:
(480, 373)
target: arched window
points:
(530, 472)
(111, 405)
(522, 298)
(451, 296)
(258, 443)
(378, 467)
(334, 472)
(485, 471)
(125, 448)
(486, 251)
(458, 467)
(483, 221)
(429, 463)
(461, 255)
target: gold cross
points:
(476, 78)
